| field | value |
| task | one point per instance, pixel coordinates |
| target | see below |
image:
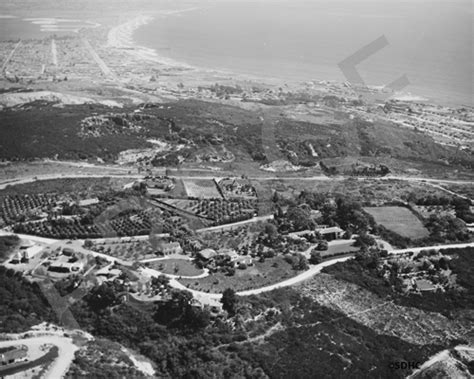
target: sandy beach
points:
(121, 37)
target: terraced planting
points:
(18, 207)
(219, 211)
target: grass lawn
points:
(176, 267)
(399, 220)
(272, 271)
(338, 249)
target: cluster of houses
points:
(235, 187)
(425, 274)
(209, 256)
(65, 263)
(328, 233)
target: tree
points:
(230, 270)
(364, 240)
(315, 257)
(299, 218)
(161, 280)
(322, 245)
(102, 297)
(229, 301)
(300, 262)
(88, 244)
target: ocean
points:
(429, 41)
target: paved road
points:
(212, 298)
(316, 269)
(212, 174)
(437, 247)
(208, 298)
(12, 182)
(47, 241)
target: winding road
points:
(212, 298)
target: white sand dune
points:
(19, 98)
(66, 25)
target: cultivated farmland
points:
(399, 220)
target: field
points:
(85, 187)
(399, 220)
(171, 266)
(261, 274)
(201, 189)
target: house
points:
(88, 202)
(13, 355)
(229, 253)
(315, 214)
(244, 259)
(16, 259)
(26, 244)
(108, 273)
(424, 285)
(301, 235)
(170, 248)
(66, 267)
(330, 233)
(207, 254)
(32, 251)
(68, 252)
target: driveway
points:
(66, 350)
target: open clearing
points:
(399, 220)
(176, 267)
(261, 274)
(201, 189)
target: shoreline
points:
(122, 37)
